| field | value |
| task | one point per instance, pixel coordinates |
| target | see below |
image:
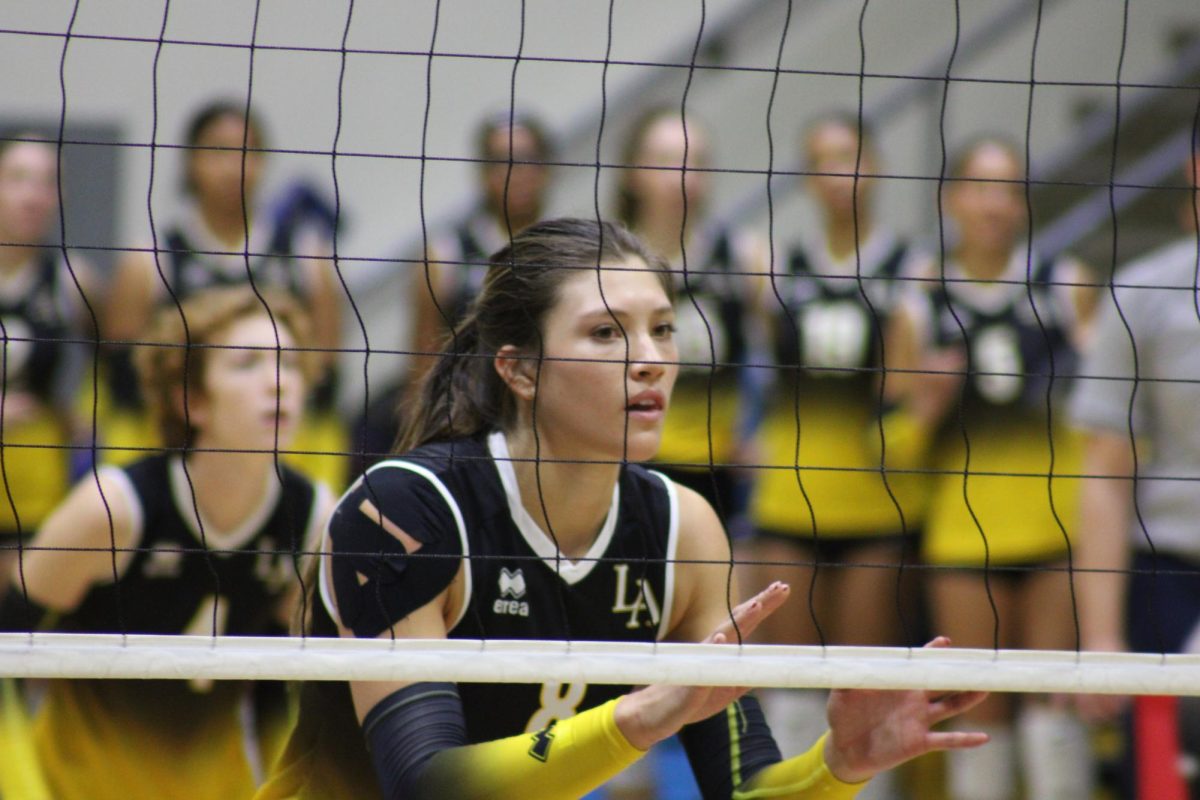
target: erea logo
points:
(512, 589)
(512, 584)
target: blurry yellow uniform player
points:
(985, 358)
(204, 545)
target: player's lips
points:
(647, 405)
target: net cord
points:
(104, 656)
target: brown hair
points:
(462, 395)
(175, 355)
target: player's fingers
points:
(938, 641)
(750, 614)
(953, 704)
(954, 740)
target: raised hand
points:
(873, 730)
(656, 712)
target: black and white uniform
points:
(39, 312)
(1020, 361)
(829, 319)
(461, 500)
(166, 738)
(178, 571)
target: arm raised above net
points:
(870, 731)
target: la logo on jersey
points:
(512, 589)
(643, 601)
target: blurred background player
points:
(513, 151)
(40, 308)
(1140, 538)
(718, 313)
(719, 323)
(39, 304)
(222, 236)
(994, 343)
(203, 540)
(829, 307)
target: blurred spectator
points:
(1140, 406)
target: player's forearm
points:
(418, 745)
(1104, 552)
(804, 777)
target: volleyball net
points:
(366, 112)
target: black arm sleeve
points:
(408, 728)
(729, 748)
(19, 614)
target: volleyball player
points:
(198, 540)
(516, 511)
(221, 236)
(719, 282)
(837, 526)
(513, 179)
(40, 311)
(1012, 320)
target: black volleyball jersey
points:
(460, 500)
(192, 266)
(710, 308)
(1015, 331)
(36, 312)
(829, 322)
(475, 239)
(172, 585)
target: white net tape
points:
(495, 661)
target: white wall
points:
(384, 96)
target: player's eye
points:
(664, 330)
(606, 332)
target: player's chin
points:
(643, 445)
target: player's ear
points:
(518, 373)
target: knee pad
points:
(1056, 754)
(983, 773)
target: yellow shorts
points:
(839, 470)
(1012, 502)
(36, 470)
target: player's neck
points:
(983, 264)
(844, 234)
(570, 501)
(227, 223)
(660, 229)
(229, 486)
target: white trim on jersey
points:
(664, 625)
(542, 545)
(459, 524)
(212, 535)
(119, 479)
